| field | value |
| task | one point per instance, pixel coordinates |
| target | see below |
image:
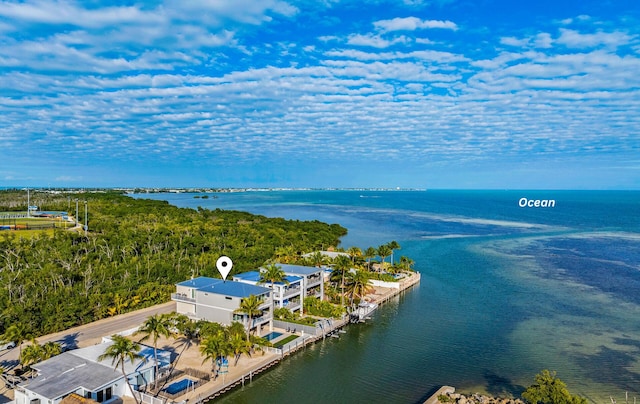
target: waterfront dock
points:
(275, 356)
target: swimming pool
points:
(177, 387)
(272, 335)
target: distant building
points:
(216, 300)
(80, 372)
(285, 294)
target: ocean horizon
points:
(506, 292)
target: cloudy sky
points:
(404, 93)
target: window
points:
(100, 396)
(109, 393)
(87, 394)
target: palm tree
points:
(238, 345)
(342, 265)
(384, 251)
(187, 333)
(274, 274)
(358, 284)
(393, 245)
(154, 327)
(212, 348)
(119, 352)
(317, 259)
(235, 328)
(406, 263)
(31, 354)
(354, 252)
(251, 307)
(368, 254)
(17, 333)
(51, 349)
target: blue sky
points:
(406, 93)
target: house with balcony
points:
(80, 373)
(312, 279)
(286, 294)
(216, 300)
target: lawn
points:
(285, 341)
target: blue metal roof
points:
(228, 288)
(253, 276)
(299, 269)
(199, 282)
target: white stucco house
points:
(80, 372)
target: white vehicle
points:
(8, 345)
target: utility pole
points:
(28, 203)
(86, 219)
(76, 217)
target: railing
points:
(258, 320)
(313, 281)
(292, 305)
(291, 292)
(182, 297)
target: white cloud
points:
(375, 41)
(412, 24)
(575, 39)
(67, 12)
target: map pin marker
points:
(224, 265)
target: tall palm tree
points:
(274, 274)
(384, 251)
(368, 254)
(119, 352)
(154, 327)
(251, 307)
(17, 333)
(358, 284)
(186, 335)
(342, 265)
(393, 245)
(354, 253)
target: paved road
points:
(92, 333)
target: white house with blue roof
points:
(216, 300)
(285, 294)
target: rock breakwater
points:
(456, 398)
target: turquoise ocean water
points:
(506, 292)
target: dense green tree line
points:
(134, 253)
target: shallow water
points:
(505, 293)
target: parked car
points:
(8, 345)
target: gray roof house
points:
(80, 372)
(216, 300)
